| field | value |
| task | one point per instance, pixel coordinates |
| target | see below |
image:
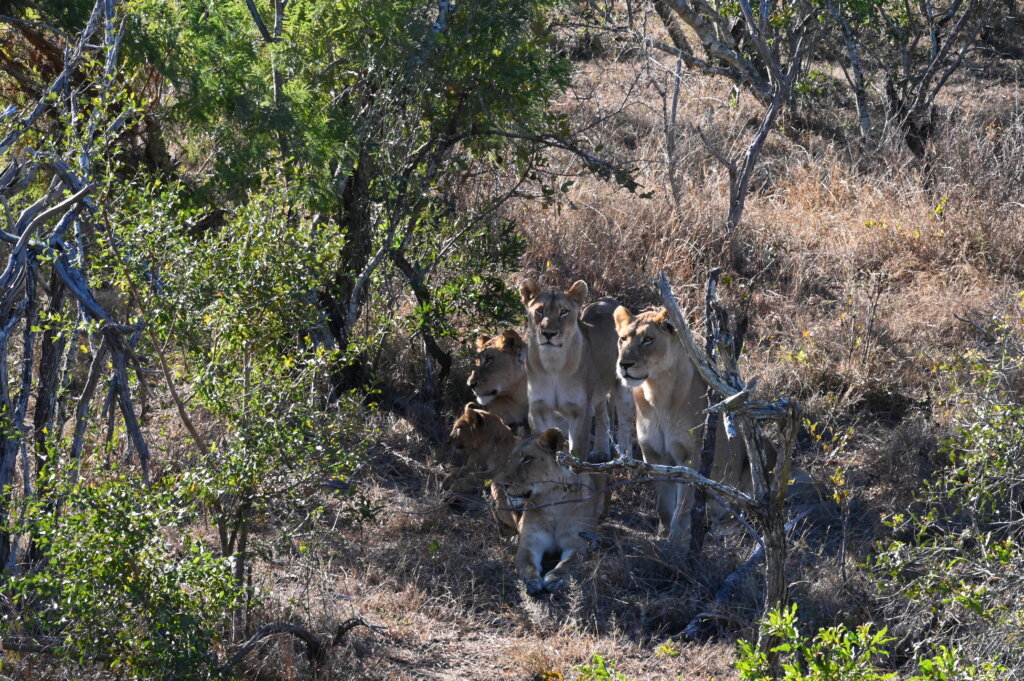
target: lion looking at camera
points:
(560, 510)
(570, 367)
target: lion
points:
(482, 444)
(550, 528)
(669, 394)
(498, 378)
(570, 367)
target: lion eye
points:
(527, 459)
(622, 339)
(539, 314)
(647, 340)
(563, 313)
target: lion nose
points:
(625, 365)
(472, 381)
(549, 334)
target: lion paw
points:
(555, 583)
(534, 586)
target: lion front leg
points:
(578, 418)
(528, 565)
(666, 497)
(558, 577)
(542, 416)
(625, 417)
(679, 526)
(502, 509)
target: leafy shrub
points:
(125, 583)
(952, 573)
(842, 654)
(599, 669)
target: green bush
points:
(599, 669)
(951, 575)
(842, 654)
(125, 582)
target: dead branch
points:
(698, 523)
(318, 646)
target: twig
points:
(318, 646)
(989, 338)
(681, 473)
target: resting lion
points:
(533, 479)
(669, 394)
(570, 367)
(498, 378)
(482, 445)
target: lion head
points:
(647, 345)
(480, 440)
(500, 364)
(532, 472)
(552, 314)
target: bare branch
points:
(258, 20)
(741, 499)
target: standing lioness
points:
(669, 394)
(570, 367)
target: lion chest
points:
(555, 528)
(558, 392)
(660, 441)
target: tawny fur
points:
(669, 394)
(535, 482)
(482, 444)
(498, 378)
(570, 367)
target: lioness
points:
(498, 378)
(482, 445)
(570, 367)
(669, 394)
(532, 480)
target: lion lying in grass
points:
(559, 509)
(481, 446)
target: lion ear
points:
(528, 290)
(471, 413)
(623, 318)
(510, 341)
(552, 439)
(662, 318)
(481, 342)
(577, 293)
